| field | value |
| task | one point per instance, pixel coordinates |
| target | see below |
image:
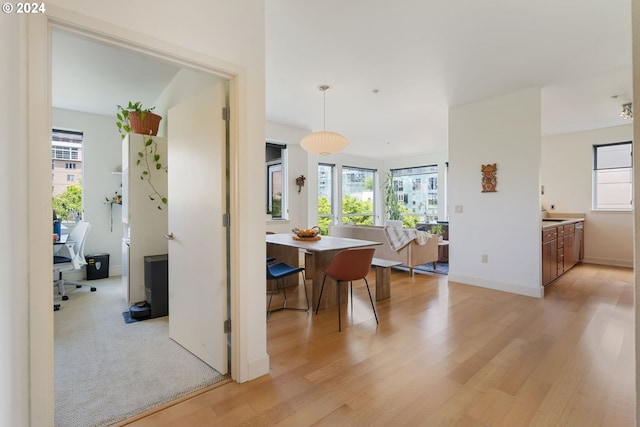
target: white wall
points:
(299, 207)
(14, 312)
(567, 165)
(102, 153)
(504, 225)
(226, 36)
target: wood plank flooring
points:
(444, 354)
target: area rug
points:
(441, 268)
(107, 371)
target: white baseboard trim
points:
(82, 274)
(258, 367)
(609, 262)
(537, 292)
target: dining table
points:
(286, 247)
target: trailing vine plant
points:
(148, 157)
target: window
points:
(276, 177)
(358, 195)
(325, 197)
(613, 176)
(417, 192)
(66, 155)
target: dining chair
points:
(278, 272)
(347, 266)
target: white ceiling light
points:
(627, 111)
(324, 142)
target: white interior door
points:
(196, 203)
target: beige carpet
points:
(107, 371)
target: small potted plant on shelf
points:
(135, 119)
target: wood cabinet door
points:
(549, 262)
(569, 251)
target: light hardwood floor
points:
(444, 354)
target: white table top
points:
(326, 243)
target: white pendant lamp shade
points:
(324, 142)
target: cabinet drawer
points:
(560, 231)
(549, 234)
(568, 229)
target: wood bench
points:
(383, 276)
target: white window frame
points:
(621, 173)
(282, 165)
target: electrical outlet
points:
(458, 209)
(484, 258)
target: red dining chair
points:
(347, 266)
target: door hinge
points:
(226, 219)
(226, 113)
(227, 326)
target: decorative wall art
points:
(489, 180)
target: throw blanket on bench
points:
(400, 237)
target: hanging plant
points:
(135, 119)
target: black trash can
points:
(97, 266)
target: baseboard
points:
(609, 262)
(537, 292)
(257, 368)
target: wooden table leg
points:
(383, 282)
(321, 261)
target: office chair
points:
(278, 272)
(347, 266)
(70, 257)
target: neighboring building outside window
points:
(417, 191)
(358, 195)
(613, 176)
(66, 154)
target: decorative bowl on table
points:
(312, 233)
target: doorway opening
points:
(183, 80)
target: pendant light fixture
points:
(324, 142)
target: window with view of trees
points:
(613, 176)
(66, 153)
(325, 197)
(276, 177)
(417, 191)
(358, 195)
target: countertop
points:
(556, 221)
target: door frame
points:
(37, 84)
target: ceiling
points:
(396, 68)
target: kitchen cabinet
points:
(569, 247)
(561, 249)
(549, 255)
